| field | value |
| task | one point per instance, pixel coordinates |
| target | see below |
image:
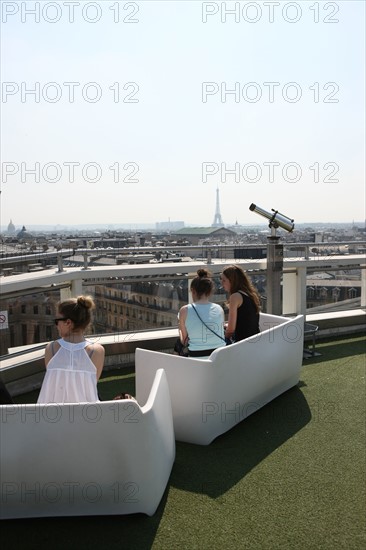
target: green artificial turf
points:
(291, 476)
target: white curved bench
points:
(112, 457)
(210, 396)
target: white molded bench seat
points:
(210, 396)
(111, 457)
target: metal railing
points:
(201, 252)
(73, 281)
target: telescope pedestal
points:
(274, 275)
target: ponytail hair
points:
(202, 284)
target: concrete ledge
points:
(338, 323)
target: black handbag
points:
(181, 349)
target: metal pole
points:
(60, 263)
(209, 256)
(85, 260)
(274, 275)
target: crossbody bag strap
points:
(213, 332)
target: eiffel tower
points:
(218, 219)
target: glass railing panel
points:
(328, 291)
(30, 319)
(152, 302)
(138, 304)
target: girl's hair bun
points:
(202, 273)
(85, 301)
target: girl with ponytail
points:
(201, 323)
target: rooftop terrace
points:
(292, 475)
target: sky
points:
(137, 112)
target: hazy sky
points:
(129, 112)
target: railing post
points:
(363, 286)
(65, 294)
(289, 293)
(85, 260)
(294, 292)
(209, 256)
(76, 287)
(274, 274)
(60, 263)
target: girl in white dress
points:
(73, 364)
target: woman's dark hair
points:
(202, 284)
(239, 280)
(77, 310)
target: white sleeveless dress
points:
(71, 376)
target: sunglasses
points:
(59, 319)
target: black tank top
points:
(247, 322)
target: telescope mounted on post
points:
(276, 219)
(274, 257)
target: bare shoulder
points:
(236, 299)
(50, 351)
(49, 347)
(97, 348)
(183, 312)
(52, 347)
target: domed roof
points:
(24, 235)
(11, 227)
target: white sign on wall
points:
(3, 320)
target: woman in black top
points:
(244, 304)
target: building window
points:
(23, 308)
(323, 292)
(352, 293)
(48, 310)
(35, 310)
(48, 333)
(311, 292)
(36, 335)
(335, 294)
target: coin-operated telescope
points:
(276, 219)
(274, 257)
